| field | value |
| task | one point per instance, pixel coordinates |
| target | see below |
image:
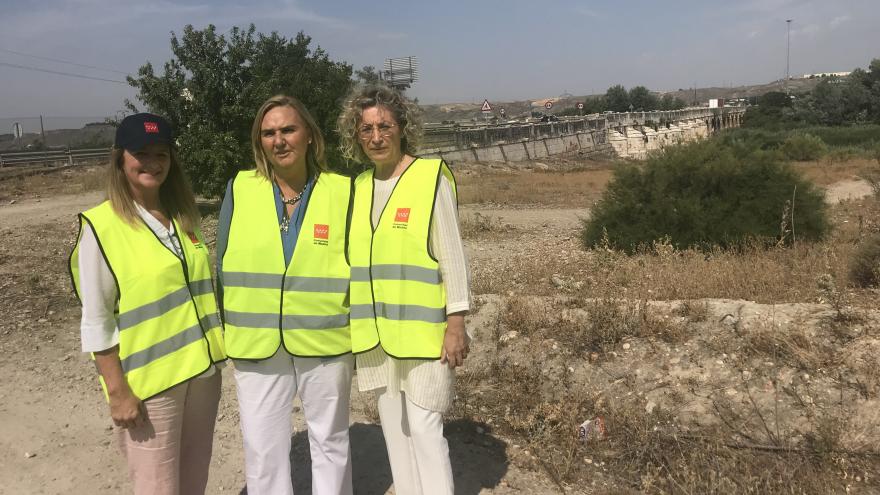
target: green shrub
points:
(864, 269)
(803, 147)
(705, 194)
(862, 136)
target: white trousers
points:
(265, 399)
(417, 449)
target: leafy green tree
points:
(617, 99)
(367, 75)
(669, 102)
(643, 100)
(214, 84)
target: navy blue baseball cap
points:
(141, 129)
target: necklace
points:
(285, 219)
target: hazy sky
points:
(468, 50)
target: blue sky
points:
(468, 50)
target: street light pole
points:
(787, 51)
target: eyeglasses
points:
(366, 131)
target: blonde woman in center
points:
(409, 288)
(284, 275)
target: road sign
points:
(580, 106)
(502, 112)
(548, 105)
(486, 106)
(17, 130)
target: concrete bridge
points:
(627, 135)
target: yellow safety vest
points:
(303, 305)
(397, 297)
(169, 328)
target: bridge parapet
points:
(620, 133)
(441, 138)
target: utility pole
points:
(42, 133)
(787, 52)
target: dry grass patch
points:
(69, 181)
(578, 189)
(831, 169)
(794, 437)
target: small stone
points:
(588, 460)
(29, 455)
(675, 360)
(649, 407)
(626, 346)
(512, 334)
(556, 281)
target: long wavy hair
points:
(314, 153)
(175, 193)
(406, 113)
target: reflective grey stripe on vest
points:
(288, 322)
(274, 281)
(301, 322)
(142, 358)
(316, 284)
(396, 272)
(210, 321)
(158, 308)
(361, 311)
(399, 312)
(252, 280)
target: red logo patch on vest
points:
(402, 215)
(322, 231)
(151, 127)
(193, 238)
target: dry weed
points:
(577, 189)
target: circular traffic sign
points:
(548, 105)
(580, 106)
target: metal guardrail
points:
(53, 157)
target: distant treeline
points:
(835, 101)
(618, 99)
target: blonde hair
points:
(406, 113)
(315, 152)
(175, 193)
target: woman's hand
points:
(455, 342)
(126, 410)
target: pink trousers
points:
(169, 454)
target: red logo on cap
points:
(322, 231)
(151, 127)
(402, 215)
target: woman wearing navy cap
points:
(149, 316)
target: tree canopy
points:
(213, 85)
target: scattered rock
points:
(510, 335)
(29, 455)
(649, 407)
(729, 320)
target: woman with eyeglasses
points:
(409, 285)
(283, 275)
